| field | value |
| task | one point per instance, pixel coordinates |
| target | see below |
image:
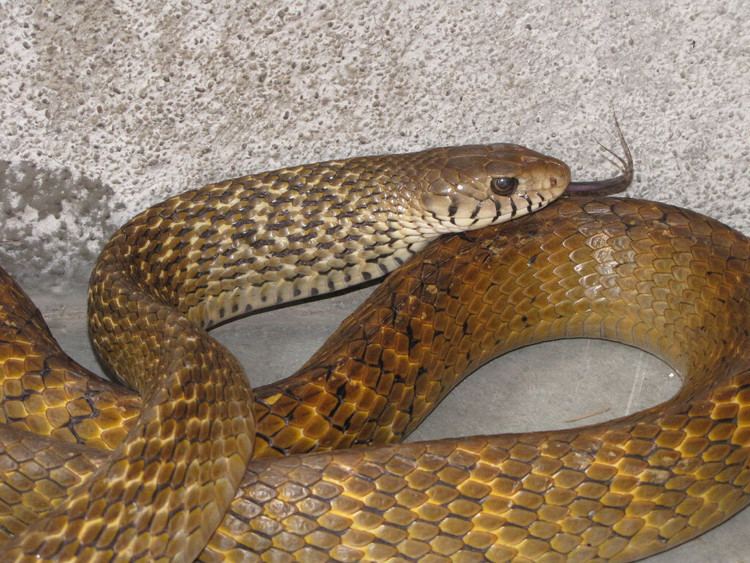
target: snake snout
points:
(557, 176)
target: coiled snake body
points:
(163, 472)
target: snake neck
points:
(250, 243)
(279, 261)
(255, 242)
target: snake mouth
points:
(610, 186)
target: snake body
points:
(664, 279)
(223, 250)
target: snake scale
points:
(96, 471)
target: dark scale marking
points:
(295, 275)
(291, 252)
(200, 212)
(25, 394)
(378, 258)
(529, 204)
(237, 235)
(307, 261)
(316, 189)
(346, 425)
(258, 193)
(307, 237)
(498, 208)
(339, 205)
(413, 340)
(245, 261)
(243, 222)
(260, 243)
(208, 246)
(218, 218)
(267, 439)
(280, 225)
(282, 200)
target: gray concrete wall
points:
(108, 107)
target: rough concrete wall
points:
(108, 107)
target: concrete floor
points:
(553, 385)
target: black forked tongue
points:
(610, 186)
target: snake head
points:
(470, 187)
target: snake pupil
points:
(504, 185)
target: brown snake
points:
(165, 475)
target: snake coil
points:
(92, 470)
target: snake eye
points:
(504, 185)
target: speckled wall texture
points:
(108, 107)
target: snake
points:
(162, 469)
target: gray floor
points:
(559, 384)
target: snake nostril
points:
(553, 182)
